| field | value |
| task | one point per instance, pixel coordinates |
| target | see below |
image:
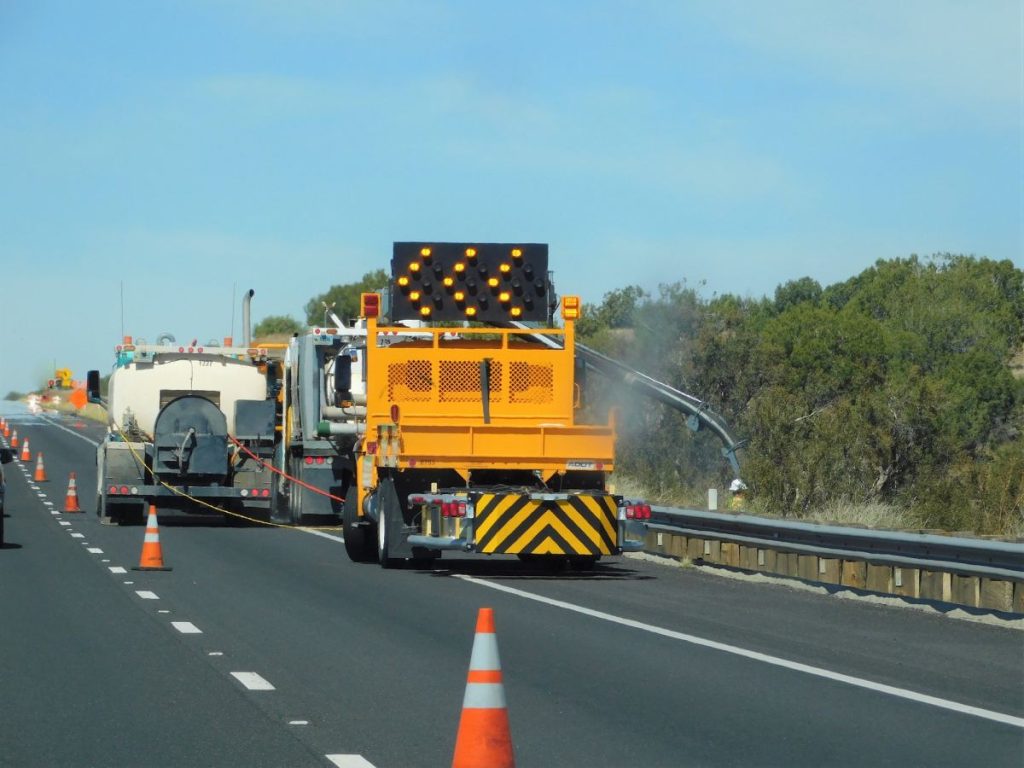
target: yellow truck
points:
(471, 439)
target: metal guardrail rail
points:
(976, 557)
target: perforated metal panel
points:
(410, 381)
(530, 383)
(460, 381)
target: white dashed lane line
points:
(94, 551)
(252, 681)
(350, 761)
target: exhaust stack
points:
(246, 324)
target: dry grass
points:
(871, 515)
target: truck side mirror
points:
(92, 386)
(343, 377)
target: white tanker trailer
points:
(172, 413)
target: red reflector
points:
(371, 448)
(320, 459)
(124, 489)
(266, 492)
(309, 459)
(112, 489)
(630, 512)
(647, 511)
(462, 509)
(394, 413)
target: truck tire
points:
(387, 508)
(358, 537)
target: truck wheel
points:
(386, 509)
(358, 538)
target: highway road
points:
(267, 647)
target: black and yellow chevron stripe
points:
(513, 524)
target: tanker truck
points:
(191, 426)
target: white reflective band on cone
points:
(484, 696)
(485, 653)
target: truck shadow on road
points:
(513, 570)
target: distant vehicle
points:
(6, 457)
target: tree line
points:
(891, 387)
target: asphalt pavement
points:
(266, 646)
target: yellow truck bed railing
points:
(477, 397)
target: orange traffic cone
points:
(7, 429)
(40, 475)
(484, 739)
(14, 440)
(152, 556)
(71, 500)
(26, 454)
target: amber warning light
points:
(487, 282)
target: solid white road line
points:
(323, 535)
(350, 761)
(252, 681)
(186, 627)
(902, 693)
(53, 423)
(145, 594)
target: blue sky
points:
(185, 147)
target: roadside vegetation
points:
(888, 399)
(892, 399)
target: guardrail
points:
(975, 572)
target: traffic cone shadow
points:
(152, 555)
(484, 739)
